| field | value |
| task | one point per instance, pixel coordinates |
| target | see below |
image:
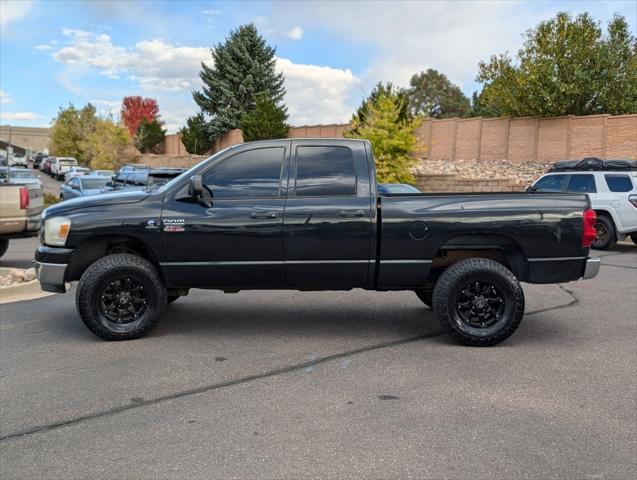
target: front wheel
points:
(478, 302)
(121, 297)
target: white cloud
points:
(5, 97)
(154, 64)
(13, 116)
(43, 48)
(408, 37)
(315, 94)
(108, 108)
(11, 10)
(296, 33)
(211, 11)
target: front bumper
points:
(592, 268)
(51, 276)
(51, 264)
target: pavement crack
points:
(574, 301)
(139, 403)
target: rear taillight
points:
(633, 199)
(589, 232)
(24, 198)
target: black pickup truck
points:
(305, 215)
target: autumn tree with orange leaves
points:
(135, 109)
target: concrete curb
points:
(22, 291)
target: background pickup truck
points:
(306, 215)
(20, 209)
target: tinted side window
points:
(322, 171)
(619, 183)
(551, 183)
(582, 184)
(255, 173)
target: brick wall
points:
(454, 183)
(174, 146)
(528, 139)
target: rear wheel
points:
(478, 302)
(4, 245)
(121, 297)
(605, 237)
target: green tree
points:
(266, 121)
(244, 69)
(149, 135)
(106, 144)
(566, 67)
(384, 89)
(392, 138)
(479, 109)
(195, 136)
(433, 95)
(70, 129)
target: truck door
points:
(232, 238)
(328, 217)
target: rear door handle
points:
(351, 213)
(263, 215)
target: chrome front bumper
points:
(51, 276)
(592, 267)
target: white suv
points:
(613, 192)
(61, 165)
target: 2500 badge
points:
(174, 225)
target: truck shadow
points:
(294, 314)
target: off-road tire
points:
(4, 246)
(451, 285)
(112, 268)
(425, 295)
(605, 222)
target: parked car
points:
(82, 186)
(17, 160)
(304, 214)
(103, 173)
(76, 172)
(19, 176)
(20, 210)
(61, 165)
(131, 167)
(611, 186)
(45, 165)
(389, 188)
(141, 179)
(38, 158)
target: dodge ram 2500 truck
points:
(306, 215)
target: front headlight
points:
(56, 230)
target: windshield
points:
(187, 173)
(94, 183)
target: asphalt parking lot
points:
(324, 385)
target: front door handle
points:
(263, 215)
(351, 213)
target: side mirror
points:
(195, 187)
(75, 186)
(531, 189)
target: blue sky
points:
(331, 53)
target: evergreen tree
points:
(387, 90)
(266, 121)
(393, 139)
(244, 68)
(149, 135)
(195, 136)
